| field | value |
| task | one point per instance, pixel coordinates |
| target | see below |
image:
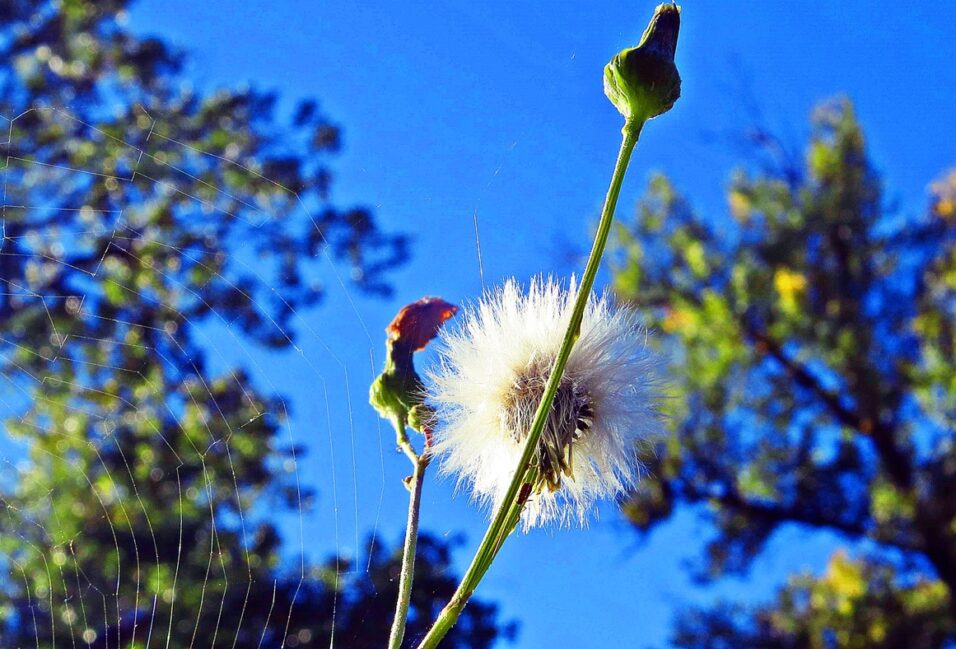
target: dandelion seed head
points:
(491, 376)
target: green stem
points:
(408, 553)
(508, 513)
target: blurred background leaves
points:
(812, 344)
(137, 209)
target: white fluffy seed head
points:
(488, 383)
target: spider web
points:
(324, 423)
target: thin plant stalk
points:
(397, 396)
(407, 575)
(509, 511)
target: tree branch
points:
(898, 465)
(777, 514)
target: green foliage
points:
(813, 376)
(138, 210)
(854, 604)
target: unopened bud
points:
(643, 82)
(397, 391)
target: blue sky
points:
(494, 112)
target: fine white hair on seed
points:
(488, 382)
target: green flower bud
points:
(643, 82)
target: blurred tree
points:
(137, 210)
(812, 334)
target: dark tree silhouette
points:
(812, 332)
(137, 210)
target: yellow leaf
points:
(739, 205)
(695, 258)
(944, 196)
(790, 286)
(845, 576)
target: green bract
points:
(643, 81)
